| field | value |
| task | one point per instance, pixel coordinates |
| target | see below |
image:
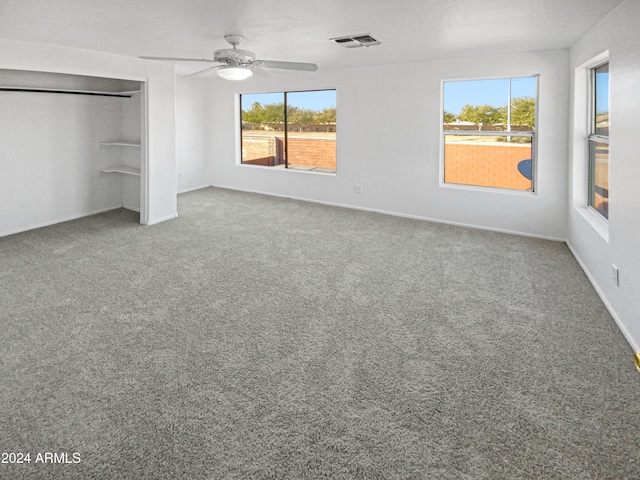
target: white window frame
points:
(534, 142)
(238, 131)
(593, 138)
(580, 146)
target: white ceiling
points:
(299, 30)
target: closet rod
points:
(69, 92)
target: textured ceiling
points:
(294, 30)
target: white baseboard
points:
(58, 220)
(191, 189)
(161, 219)
(397, 214)
(634, 345)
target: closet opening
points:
(73, 146)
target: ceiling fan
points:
(238, 64)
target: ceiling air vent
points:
(355, 41)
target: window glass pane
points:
(485, 103)
(494, 107)
(601, 100)
(263, 129)
(599, 177)
(311, 130)
(599, 151)
(306, 140)
(523, 105)
(489, 161)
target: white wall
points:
(388, 141)
(159, 170)
(193, 134)
(50, 157)
(617, 33)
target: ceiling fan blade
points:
(307, 67)
(180, 59)
(262, 72)
(200, 72)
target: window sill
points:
(479, 188)
(315, 171)
(597, 222)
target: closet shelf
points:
(122, 169)
(119, 144)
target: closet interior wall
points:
(58, 146)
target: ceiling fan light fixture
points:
(232, 72)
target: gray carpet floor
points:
(267, 338)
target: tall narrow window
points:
(599, 141)
(489, 132)
(292, 130)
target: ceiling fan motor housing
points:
(234, 56)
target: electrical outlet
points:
(615, 275)
(358, 189)
(179, 176)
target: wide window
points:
(292, 130)
(599, 141)
(489, 132)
